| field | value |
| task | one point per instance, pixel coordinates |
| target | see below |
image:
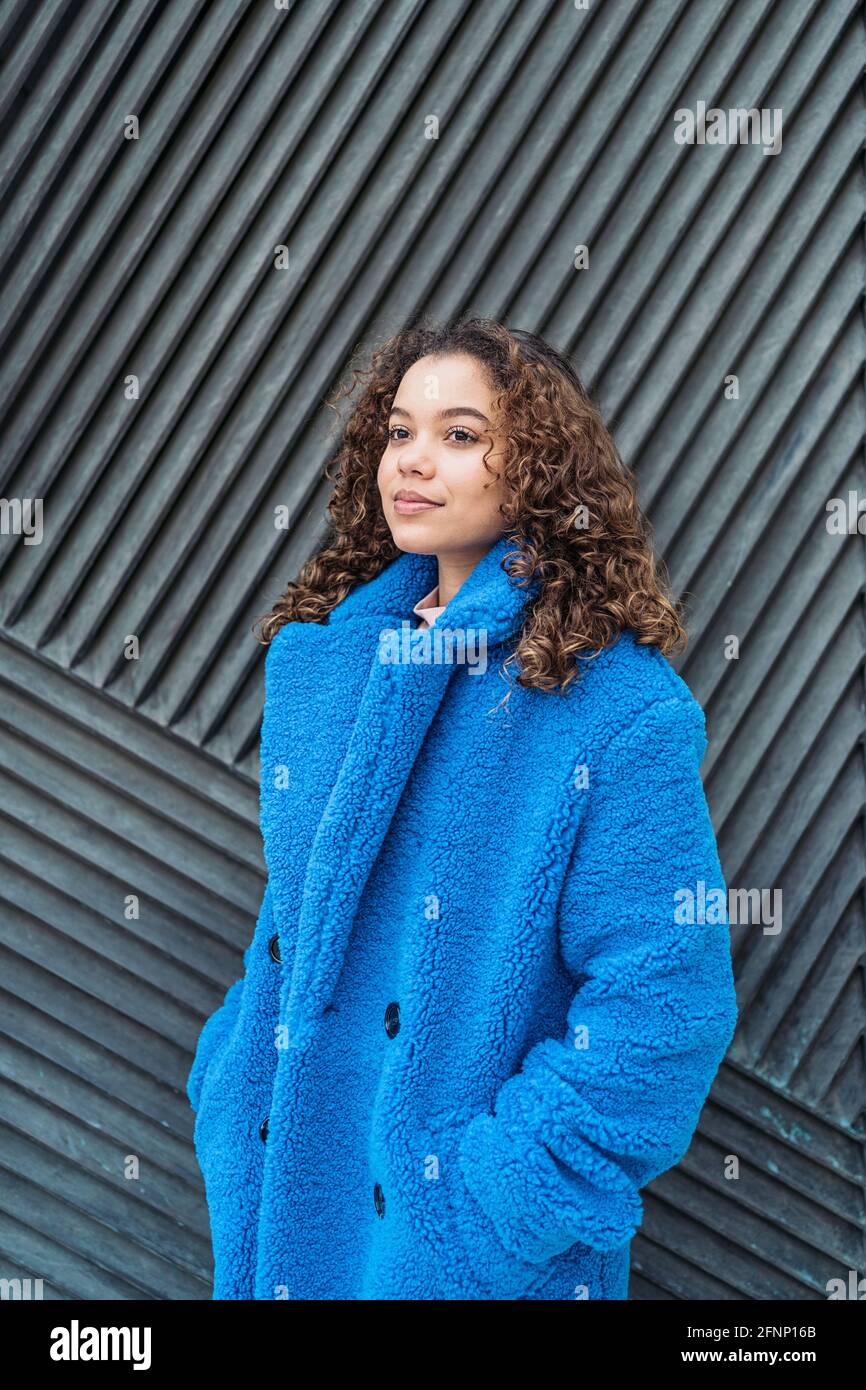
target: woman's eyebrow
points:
(445, 414)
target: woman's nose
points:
(417, 462)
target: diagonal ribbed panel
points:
(154, 258)
(788, 1220)
(101, 1010)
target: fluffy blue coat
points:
(537, 889)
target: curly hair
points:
(570, 505)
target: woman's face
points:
(441, 424)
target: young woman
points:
(490, 982)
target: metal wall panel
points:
(155, 258)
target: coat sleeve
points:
(215, 1030)
(593, 1116)
(220, 1023)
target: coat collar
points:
(489, 600)
(397, 705)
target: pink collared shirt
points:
(428, 608)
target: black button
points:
(274, 949)
(379, 1200)
(392, 1020)
(263, 1127)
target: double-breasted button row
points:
(392, 1028)
(274, 953)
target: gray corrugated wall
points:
(154, 258)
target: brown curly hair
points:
(571, 506)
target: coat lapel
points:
(399, 702)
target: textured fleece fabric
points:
(518, 881)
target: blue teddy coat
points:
(490, 982)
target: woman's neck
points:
(454, 570)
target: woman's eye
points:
(459, 433)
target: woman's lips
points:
(406, 508)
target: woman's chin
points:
(415, 537)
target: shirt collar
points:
(429, 606)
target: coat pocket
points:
(481, 1265)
